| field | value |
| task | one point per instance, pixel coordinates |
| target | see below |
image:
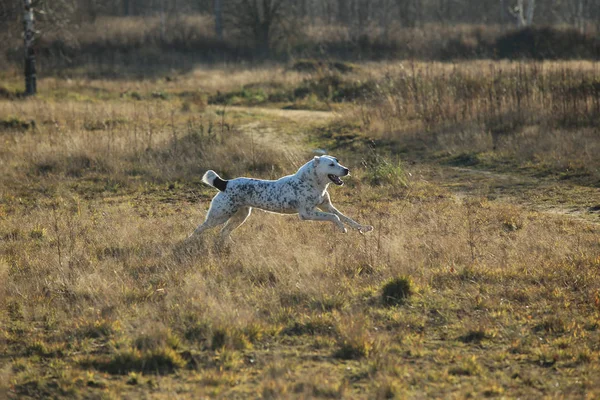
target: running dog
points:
(301, 193)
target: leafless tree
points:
(218, 6)
(578, 9)
(258, 18)
(343, 11)
(408, 12)
(523, 17)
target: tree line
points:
(262, 18)
(264, 25)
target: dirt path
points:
(540, 194)
(284, 129)
(292, 115)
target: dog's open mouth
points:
(335, 179)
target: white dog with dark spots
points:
(302, 193)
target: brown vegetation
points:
(454, 294)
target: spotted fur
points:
(303, 193)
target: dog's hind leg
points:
(235, 221)
(219, 212)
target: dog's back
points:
(276, 196)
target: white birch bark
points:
(530, 11)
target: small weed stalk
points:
(150, 131)
(252, 150)
(174, 131)
(135, 120)
(473, 223)
(56, 228)
(223, 113)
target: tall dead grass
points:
(125, 141)
(543, 113)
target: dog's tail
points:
(211, 178)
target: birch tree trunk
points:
(30, 78)
(530, 10)
(580, 17)
(519, 14)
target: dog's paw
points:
(343, 229)
(365, 229)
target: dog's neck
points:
(308, 173)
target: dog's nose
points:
(346, 171)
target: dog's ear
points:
(316, 160)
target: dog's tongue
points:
(336, 179)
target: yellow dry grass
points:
(99, 298)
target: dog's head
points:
(329, 167)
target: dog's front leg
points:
(315, 215)
(329, 207)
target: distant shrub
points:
(247, 95)
(7, 94)
(547, 43)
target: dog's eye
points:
(331, 165)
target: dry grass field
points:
(481, 278)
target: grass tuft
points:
(163, 360)
(475, 336)
(14, 123)
(552, 324)
(383, 171)
(354, 341)
(466, 367)
(397, 290)
(101, 328)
